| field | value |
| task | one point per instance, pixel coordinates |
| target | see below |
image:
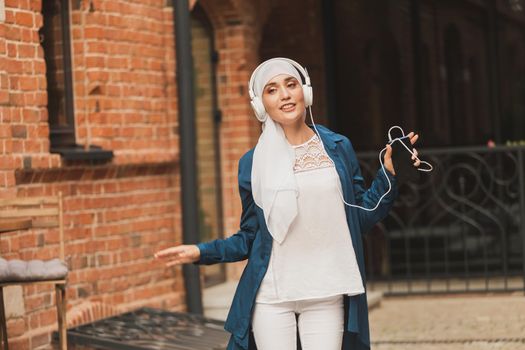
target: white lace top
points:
(310, 156)
(317, 258)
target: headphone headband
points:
(256, 101)
(297, 66)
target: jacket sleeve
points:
(368, 198)
(238, 246)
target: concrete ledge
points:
(374, 299)
(217, 300)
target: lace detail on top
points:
(311, 155)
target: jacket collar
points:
(328, 137)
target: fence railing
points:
(460, 228)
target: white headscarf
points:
(274, 187)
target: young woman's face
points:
(283, 99)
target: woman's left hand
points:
(387, 160)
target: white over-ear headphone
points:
(256, 101)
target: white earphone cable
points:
(380, 161)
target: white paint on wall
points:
(14, 301)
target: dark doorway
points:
(455, 85)
(208, 143)
(369, 83)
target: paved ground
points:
(451, 322)
(458, 322)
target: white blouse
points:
(317, 258)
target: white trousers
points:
(320, 323)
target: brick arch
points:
(236, 25)
(90, 311)
(234, 12)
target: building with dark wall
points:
(452, 70)
(74, 75)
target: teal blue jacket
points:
(253, 242)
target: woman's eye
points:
(271, 91)
(292, 85)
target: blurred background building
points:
(88, 103)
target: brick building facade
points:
(120, 211)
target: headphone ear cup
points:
(308, 95)
(258, 108)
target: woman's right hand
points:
(181, 254)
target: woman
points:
(304, 247)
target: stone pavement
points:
(438, 322)
(449, 322)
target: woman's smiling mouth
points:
(289, 107)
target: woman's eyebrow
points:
(274, 83)
(269, 85)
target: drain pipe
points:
(190, 218)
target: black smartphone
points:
(403, 163)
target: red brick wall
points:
(118, 214)
(23, 97)
(124, 79)
(114, 218)
(123, 75)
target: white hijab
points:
(274, 187)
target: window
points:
(516, 5)
(55, 40)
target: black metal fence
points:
(460, 228)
